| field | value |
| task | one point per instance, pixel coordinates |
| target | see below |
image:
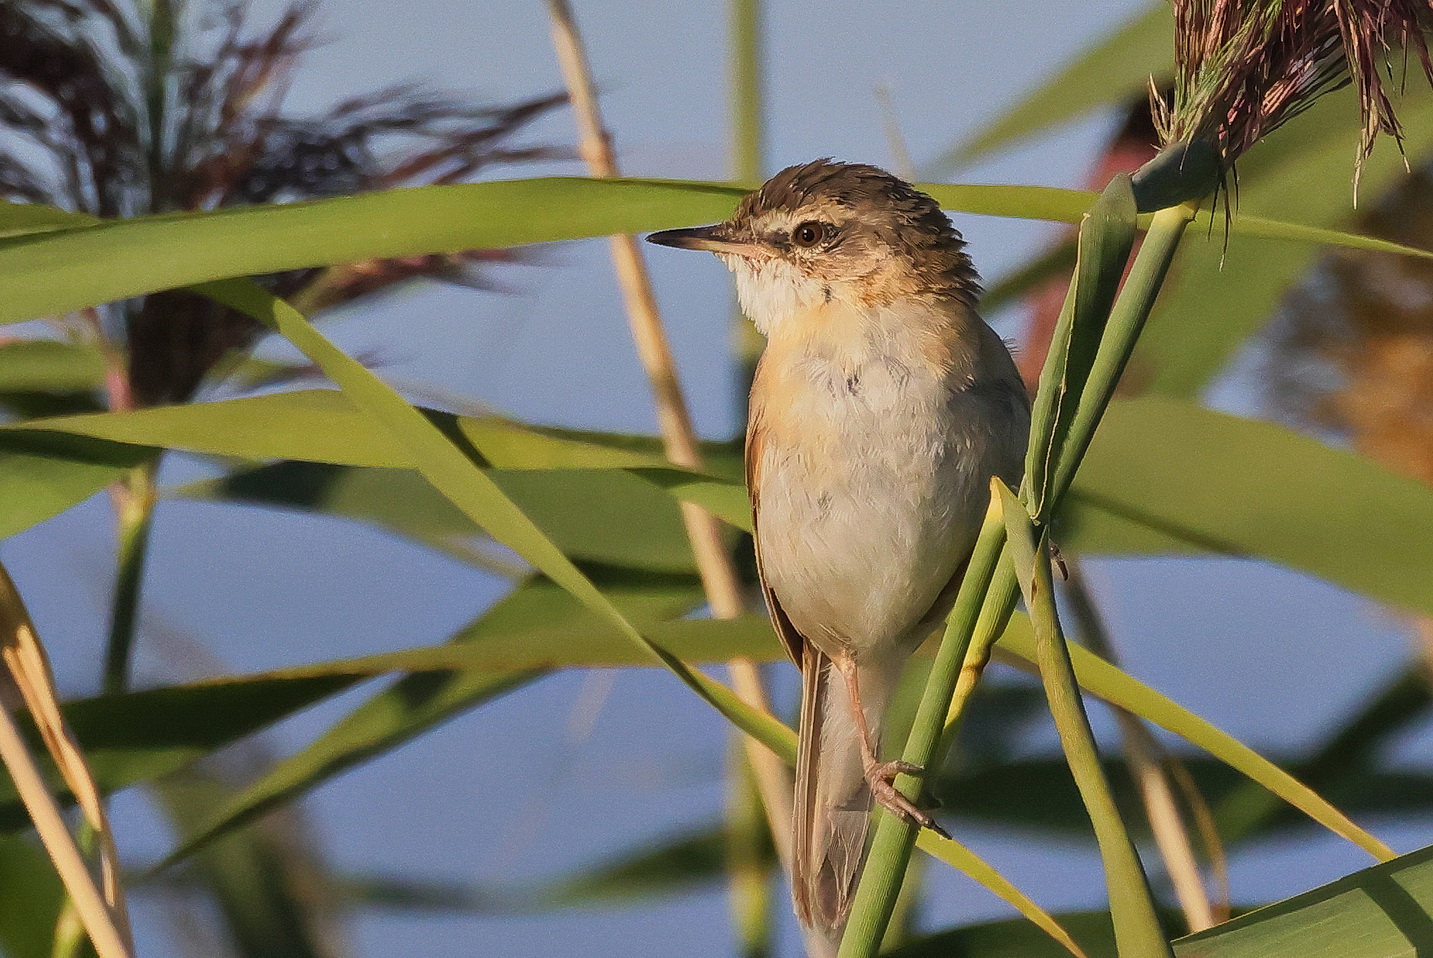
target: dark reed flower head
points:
(127, 107)
(1244, 67)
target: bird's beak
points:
(714, 239)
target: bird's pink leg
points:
(880, 776)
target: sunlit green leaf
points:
(1243, 487)
(43, 475)
(607, 516)
(615, 518)
(1385, 910)
(30, 898)
(593, 516)
(611, 517)
(322, 425)
(20, 219)
(399, 500)
(726, 500)
(559, 645)
(49, 364)
(47, 274)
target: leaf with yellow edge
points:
(1121, 689)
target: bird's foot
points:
(881, 777)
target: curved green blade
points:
(47, 274)
(1385, 910)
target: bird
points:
(880, 409)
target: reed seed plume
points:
(124, 107)
(1245, 67)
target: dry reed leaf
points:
(27, 679)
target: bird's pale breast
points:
(873, 461)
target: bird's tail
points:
(832, 809)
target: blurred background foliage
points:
(112, 108)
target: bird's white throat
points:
(771, 291)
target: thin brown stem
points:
(747, 860)
(134, 500)
(1423, 642)
(1142, 754)
(895, 136)
(1201, 816)
(714, 561)
(1171, 835)
(59, 844)
(26, 681)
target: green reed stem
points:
(893, 841)
(1138, 933)
(1127, 319)
(134, 519)
(891, 847)
(994, 617)
(1107, 234)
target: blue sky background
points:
(502, 794)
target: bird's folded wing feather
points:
(791, 639)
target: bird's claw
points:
(881, 778)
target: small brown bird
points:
(882, 406)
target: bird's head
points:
(826, 232)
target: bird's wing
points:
(1009, 403)
(792, 639)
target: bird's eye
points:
(808, 234)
